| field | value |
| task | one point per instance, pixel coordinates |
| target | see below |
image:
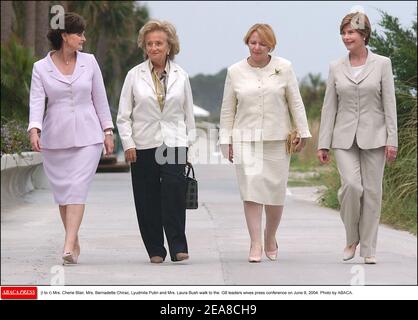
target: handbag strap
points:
(190, 167)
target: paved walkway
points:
(311, 239)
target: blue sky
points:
(211, 32)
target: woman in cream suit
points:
(255, 121)
(76, 124)
(156, 124)
(359, 122)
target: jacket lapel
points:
(145, 74)
(80, 67)
(368, 67)
(172, 76)
(346, 69)
(53, 70)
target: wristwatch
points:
(108, 133)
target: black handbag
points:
(191, 188)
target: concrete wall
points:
(20, 174)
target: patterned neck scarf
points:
(160, 84)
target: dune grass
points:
(399, 204)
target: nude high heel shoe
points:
(370, 260)
(272, 255)
(349, 252)
(76, 253)
(68, 258)
(255, 255)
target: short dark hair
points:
(73, 23)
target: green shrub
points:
(400, 181)
(14, 138)
(331, 179)
(16, 72)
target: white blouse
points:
(355, 71)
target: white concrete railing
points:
(20, 174)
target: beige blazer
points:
(142, 124)
(256, 103)
(362, 107)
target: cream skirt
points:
(262, 170)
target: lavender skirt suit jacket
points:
(77, 112)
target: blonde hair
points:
(266, 34)
(157, 25)
(359, 22)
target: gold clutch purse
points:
(290, 146)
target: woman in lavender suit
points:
(76, 124)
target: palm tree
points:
(316, 81)
(107, 23)
(6, 20)
(42, 27)
(111, 33)
(30, 25)
(65, 5)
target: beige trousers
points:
(360, 195)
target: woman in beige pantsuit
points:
(359, 122)
(255, 121)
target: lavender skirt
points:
(71, 171)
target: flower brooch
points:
(276, 72)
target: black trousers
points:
(159, 188)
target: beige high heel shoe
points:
(370, 260)
(255, 256)
(272, 255)
(349, 252)
(68, 258)
(76, 253)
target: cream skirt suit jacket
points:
(358, 120)
(255, 118)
